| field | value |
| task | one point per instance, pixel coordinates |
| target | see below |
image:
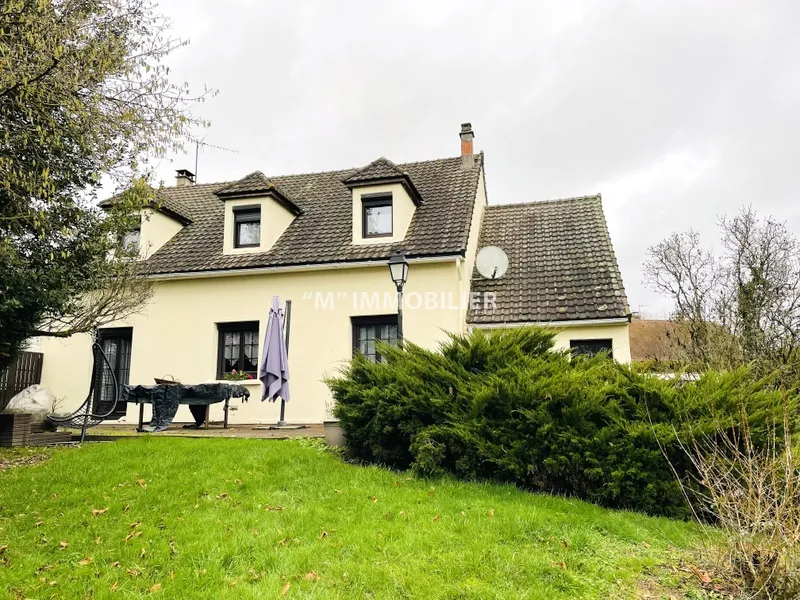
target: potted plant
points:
(237, 376)
(334, 434)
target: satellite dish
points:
(492, 262)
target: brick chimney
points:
(184, 177)
(466, 139)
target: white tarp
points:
(34, 399)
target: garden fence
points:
(25, 371)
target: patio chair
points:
(83, 418)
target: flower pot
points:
(334, 434)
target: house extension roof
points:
(658, 340)
(562, 265)
(322, 233)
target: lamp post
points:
(398, 269)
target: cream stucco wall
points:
(402, 212)
(617, 332)
(177, 333)
(275, 218)
(156, 230)
(468, 264)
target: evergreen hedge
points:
(503, 405)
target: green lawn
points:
(231, 518)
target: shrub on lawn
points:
(502, 405)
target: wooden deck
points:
(120, 430)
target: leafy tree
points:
(742, 306)
(84, 94)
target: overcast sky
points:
(677, 112)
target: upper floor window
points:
(132, 239)
(369, 330)
(238, 348)
(247, 227)
(591, 347)
(376, 215)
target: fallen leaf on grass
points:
(39, 523)
(436, 518)
(97, 541)
(337, 491)
(561, 565)
(134, 572)
(3, 548)
(96, 512)
(115, 564)
(285, 588)
(237, 481)
(135, 524)
(141, 484)
(172, 548)
(463, 514)
(490, 512)
(703, 576)
(311, 576)
(132, 535)
(142, 553)
(645, 544)
(155, 588)
(323, 535)
(273, 508)
(374, 499)
(283, 541)
(86, 561)
(63, 544)
(234, 583)
(223, 496)
(115, 586)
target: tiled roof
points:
(169, 204)
(256, 183)
(383, 169)
(323, 232)
(561, 263)
(655, 340)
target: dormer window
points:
(132, 240)
(247, 226)
(376, 215)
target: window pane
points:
(590, 347)
(379, 220)
(249, 233)
(131, 240)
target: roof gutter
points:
(298, 268)
(554, 324)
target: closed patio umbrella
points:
(273, 370)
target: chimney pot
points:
(466, 136)
(184, 177)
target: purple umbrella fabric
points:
(273, 369)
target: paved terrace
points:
(117, 430)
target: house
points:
(220, 251)
(658, 342)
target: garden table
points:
(165, 399)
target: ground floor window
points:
(369, 330)
(238, 348)
(116, 344)
(591, 347)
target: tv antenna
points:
(197, 144)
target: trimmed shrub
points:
(503, 405)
